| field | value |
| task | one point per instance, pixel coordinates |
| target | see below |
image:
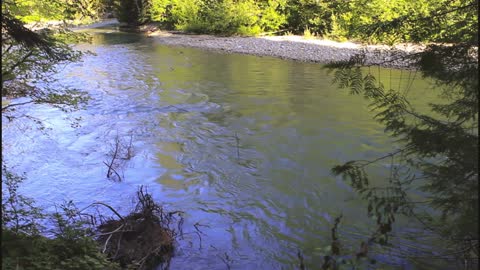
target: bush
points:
(23, 247)
(339, 20)
(161, 11)
(228, 17)
(273, 15)
(393, 20)
(143, 239)
(22, 251)
(312, 14)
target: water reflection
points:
(242, 144)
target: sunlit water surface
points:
(242, 144)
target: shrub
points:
(22, 251)
(308, 34)
(273, 15)
(23, 247)
(228, 17)
(312, 14)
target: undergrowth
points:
(77, 240)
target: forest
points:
(420, 177)
(377, 21)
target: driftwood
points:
(143, 239)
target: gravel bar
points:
(294, 48)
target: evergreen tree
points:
(438, 154)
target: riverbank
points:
(292, 47)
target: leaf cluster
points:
(23, 246)
(34, 11)
(19, 213)
(31, 58)
(408, 21)
(21, 251)
(225, 17)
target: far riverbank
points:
(292, 47)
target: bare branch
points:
(21, 61)
(16, 104)
(106, 205)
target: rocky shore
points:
(290, 47)
(293, 47)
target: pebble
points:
(294, 48)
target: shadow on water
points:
(116, 38)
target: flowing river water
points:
(242, 144)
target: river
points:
(242, 144)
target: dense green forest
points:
(444, 149)
(396, 21)
(393, 21)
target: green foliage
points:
(384, 21)
(32, 11)
(23, 246)
(308, 34)
(441, 150)
(351, 17)
(132, 12)
(273, 15)
(374, 21)
(406, 21)
(30, 58)
(309, 14)
(57, 10)
(19, 213)
(22, 251)
(227, 17)
(161, 12)
(217, 17)
(424, 137)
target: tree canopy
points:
(370, 21)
